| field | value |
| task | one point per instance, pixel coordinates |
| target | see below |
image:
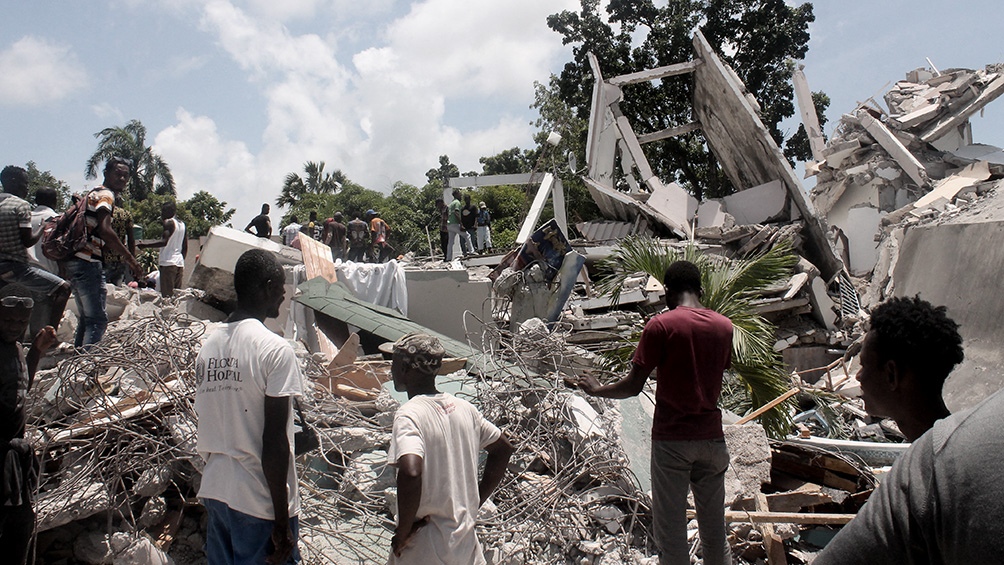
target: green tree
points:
(441, 176)
(315, 181)
(44, 179)
(755, 37)
(203, 211)
(729, 287)
(509, 162)
(150, 173)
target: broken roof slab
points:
(338, 302)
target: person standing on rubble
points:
(379, 231)
(116, 270)
(19, 470)
(334, 236)
(51, 292)
(291, 231)
(454, 228)
(173, 248)
(435, 445)
(484, 228)
(85, 269)
(359, 240)
(246, 379)
(941, 502)
(690, 347)
(469, 222)
(261, 223)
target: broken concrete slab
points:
(903, 157)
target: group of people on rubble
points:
(461, 221)
(34, 291)
(359, 241)
(939, 504)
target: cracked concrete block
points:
(759, 204)
(749, 453)
(55, 509)
(822, 304)
(154, 511)
(367, 473)
(860, 227)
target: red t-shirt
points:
(690, 348)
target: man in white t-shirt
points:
(173, 246)
(435, 445)
(246, 378)
(291, 231)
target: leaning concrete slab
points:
(759, 204)
(746, 151)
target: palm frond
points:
(729, 286)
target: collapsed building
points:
(898, 192)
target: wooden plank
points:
(772, 542)
(792, 501)
(495, 180)
(759, 411)
(783, 517)
(657, 73)
(668, 132)
(317, 259)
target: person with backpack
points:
(50, 292)
(84, 267)
(359, 240)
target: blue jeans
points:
(88, 280)
(700, 466)
(235, 538)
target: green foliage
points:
(509, 162)
(441, 175)
(200, 212)
(44, 179)
(755, 37)
(316, 181)
(729, 286)
(150, 173)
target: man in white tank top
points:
(174, 247)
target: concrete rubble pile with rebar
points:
(115, 427)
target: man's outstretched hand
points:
(587, 383)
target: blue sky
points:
(237, 93)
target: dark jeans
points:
(88, 280)
(700, 466)
(236, 538)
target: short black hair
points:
(292, 219)
(169, 204)
(265, 208)
(113, 162)
(916, 334)
(46, 196)
(682, 276)
(10, 174)
(337, 217)
(255, 267)
(313, 214)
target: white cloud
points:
(378, 113)
(108, 112)
(201, 160)
(36, 71)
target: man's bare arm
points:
(499, 453)
(630, 385)
(275, 462)
(409, 496)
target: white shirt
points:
(240, 364)
(289, 233)
(170, 254)
(448, 433)
(38, 216)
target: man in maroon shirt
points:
(690, 346)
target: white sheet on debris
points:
(382, 284)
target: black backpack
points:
(66, 234)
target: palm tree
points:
(729, 287)
(150, 173)
(316, 182)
